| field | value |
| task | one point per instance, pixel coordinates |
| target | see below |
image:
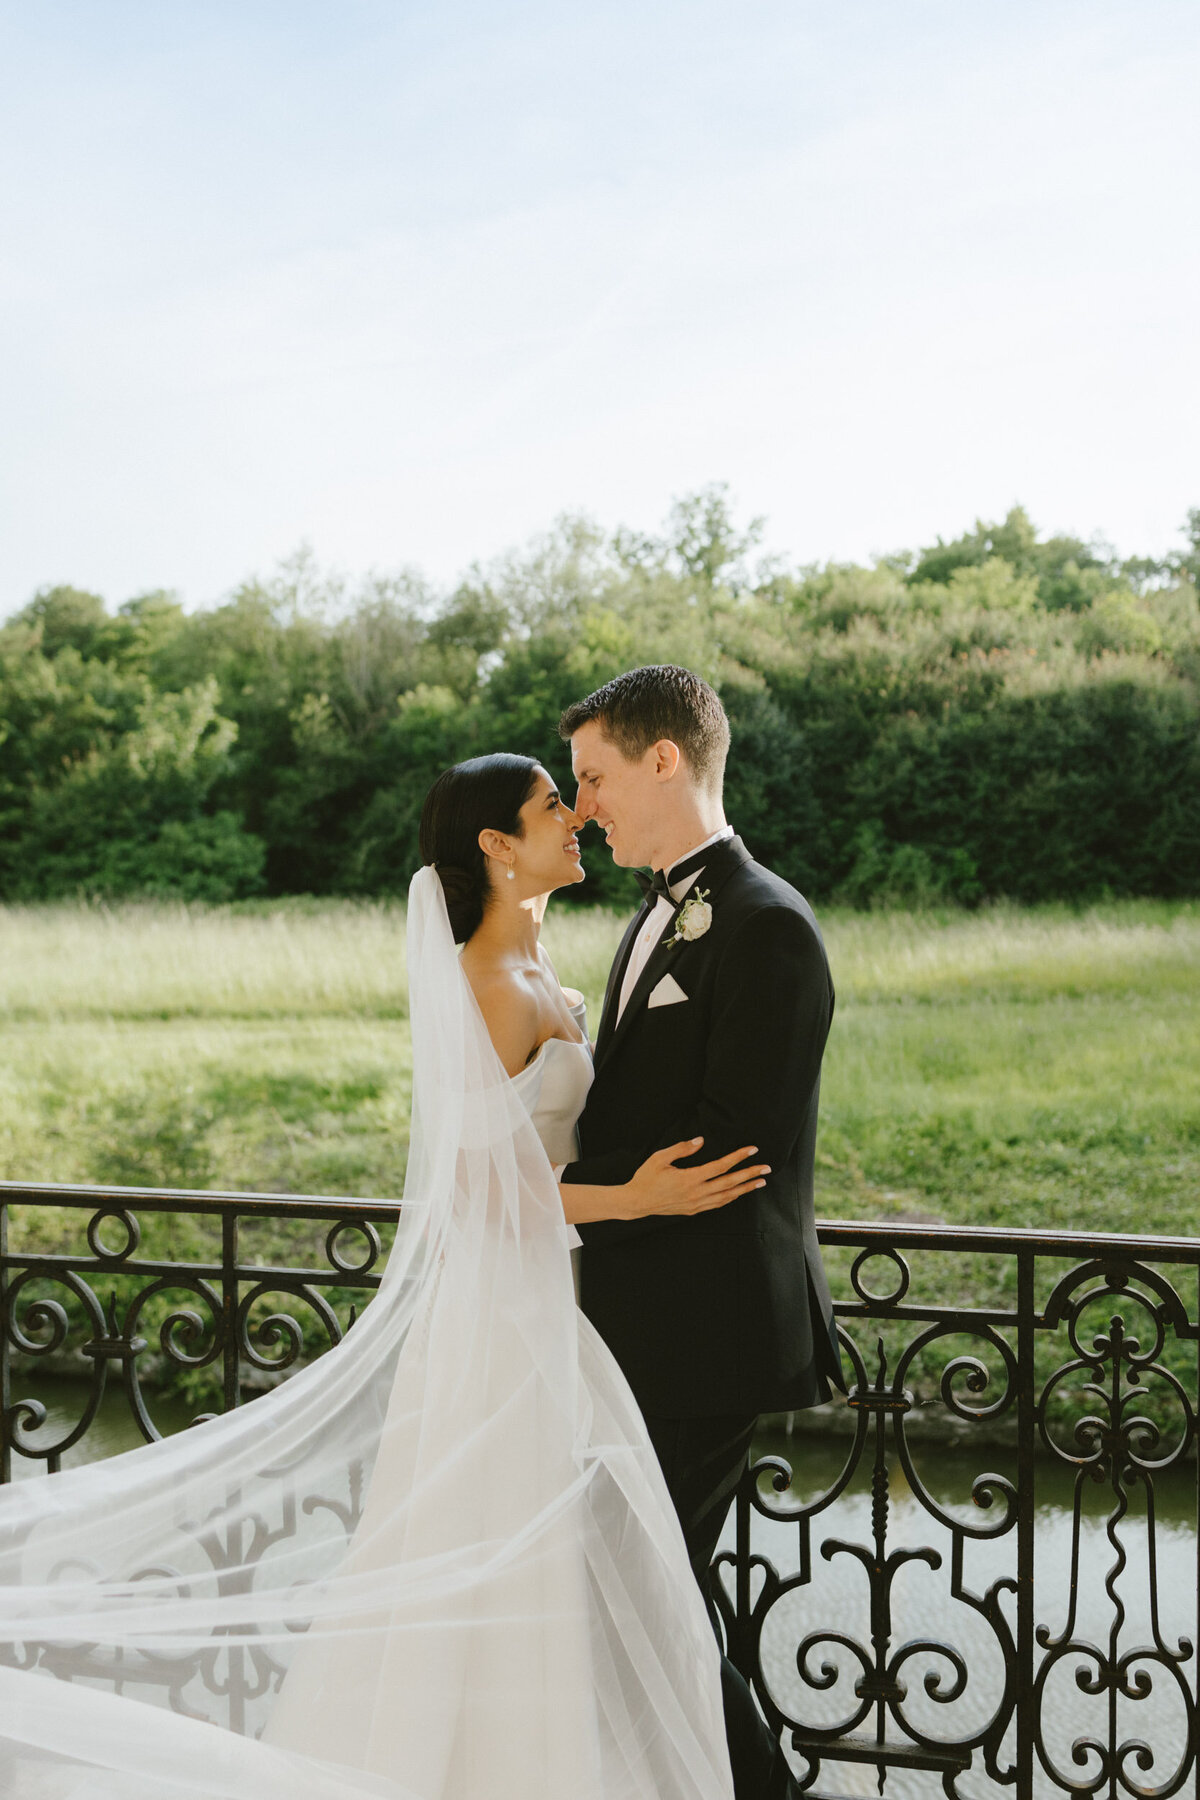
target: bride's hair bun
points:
(464, 899)
(485, 793)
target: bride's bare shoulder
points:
(510, 1012)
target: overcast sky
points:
(407, 280)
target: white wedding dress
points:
(554, 1087)
(440, 1563)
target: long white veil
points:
(440, 1563)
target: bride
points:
(439, 1563)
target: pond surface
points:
(111, 1431)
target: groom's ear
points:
(667, 759)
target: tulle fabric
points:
(438, 1564)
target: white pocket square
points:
(667, 993)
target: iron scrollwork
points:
(1100, 1380)
(963, 1644)
(1115, 1446)
(125, 1323)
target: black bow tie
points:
(662, 879)
(653, 884)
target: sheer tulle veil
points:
(439, 1563)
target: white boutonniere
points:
(693, 918)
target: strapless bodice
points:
(554, 1087)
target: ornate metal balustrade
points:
(977, 1640)
(124, 1315)
(988, 1587)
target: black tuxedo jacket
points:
(725, 1311)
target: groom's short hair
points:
(639, 708)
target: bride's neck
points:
(510, 929)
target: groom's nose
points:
(585, 806)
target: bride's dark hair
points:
(485, 793)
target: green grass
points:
(1005, 1067)
(1017, 1068)
(186, 1047)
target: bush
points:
(998, 715)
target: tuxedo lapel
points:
(616, 975)
(719, 864)
(656, 963)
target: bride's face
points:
(546, 855)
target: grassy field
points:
(1003, 1067)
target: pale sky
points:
(407, 280)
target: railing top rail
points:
(905, 1235)
(860, 1233)
(295, 1206)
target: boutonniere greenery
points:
(693, 918)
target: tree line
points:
(1005, 714)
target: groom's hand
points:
(660, 1187)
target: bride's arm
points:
(660, 1188)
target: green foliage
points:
(67, 618)
(1064, 570)
(1002, 714)
(127, 817)
(885, 874)
(769, 788)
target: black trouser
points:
(703, 1461)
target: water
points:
(837, 1595)
(111, 1431)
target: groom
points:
(716, 1014)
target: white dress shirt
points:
(656, 925)
(654, 928)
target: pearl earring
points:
(512, 874)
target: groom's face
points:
(624, 798)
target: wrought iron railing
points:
(1004, 1592)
